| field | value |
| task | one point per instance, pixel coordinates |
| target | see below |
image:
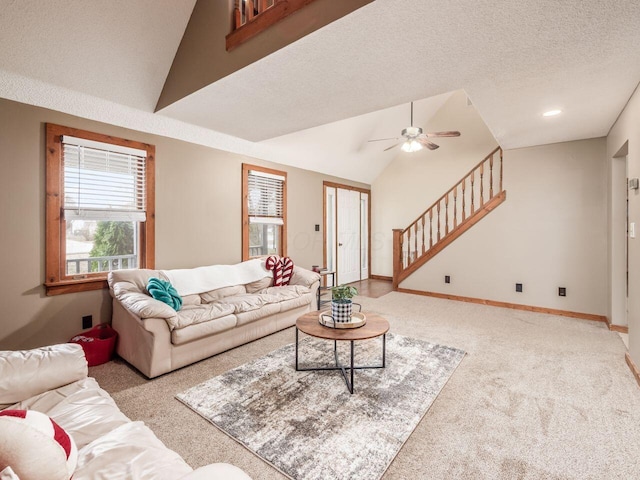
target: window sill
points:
(74, 286)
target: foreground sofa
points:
(53, 380)
(223, 306)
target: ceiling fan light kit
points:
(416, 139)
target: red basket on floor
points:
(98, 343)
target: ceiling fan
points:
(415, 139)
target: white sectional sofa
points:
(53, 380)
(223, 306)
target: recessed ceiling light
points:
(552, 113)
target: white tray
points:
(358, 319)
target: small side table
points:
(324, 286)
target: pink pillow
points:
(35, 447)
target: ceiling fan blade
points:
(392, 146)
(427, 143)
(382, 139)
(443, 134)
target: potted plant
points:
(341, 304)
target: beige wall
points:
(198, 194)
(413, 181)
(624, 140)
(550, 232)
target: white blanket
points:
(189, 281)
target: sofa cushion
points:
(25, 373)
(191, 300)
(243, 303)
(82, 408)
(280, 294)
(193, 314)
(253, 315)
(304, 277)
(213, 295)
(203, 329)
(258, 285)
(301, 301)
(129, 451)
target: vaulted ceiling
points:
(340, 85)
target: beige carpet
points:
(537, 397)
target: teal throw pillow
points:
(164, 291)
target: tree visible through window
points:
(100, 208)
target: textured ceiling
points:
(108, 61)
(514, 59)
(119, 50)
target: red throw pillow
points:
(35, 447)
(287, 270)
(282, 268)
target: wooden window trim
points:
(56, 282)
(245, 208)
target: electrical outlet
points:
(317, 227)
(87, 321)
(562, 291)
(518, 287)
(447, 279)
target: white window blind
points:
(266, 198)
(103, 181)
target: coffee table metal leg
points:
(348, 379)
(297, 349)
(384, 350)
(351, 386)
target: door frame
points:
(325, 185)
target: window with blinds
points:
(103, 181)
(264, 212)
(100, 208)
(266, 193)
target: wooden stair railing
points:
(251, 17)
(461, 207)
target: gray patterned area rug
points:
(307, 425)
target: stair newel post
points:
(481, 184)
(446, 214)
(464, 206)
(473, 208)
(430, 227)
(491, 176)
(455, 206)
(397, 256)
(423, 235)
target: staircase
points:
(455, 212)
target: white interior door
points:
(348, 235)
(364, 235)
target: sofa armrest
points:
(217, 471)
(145, 306)
(25, 373)
(304, 277)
